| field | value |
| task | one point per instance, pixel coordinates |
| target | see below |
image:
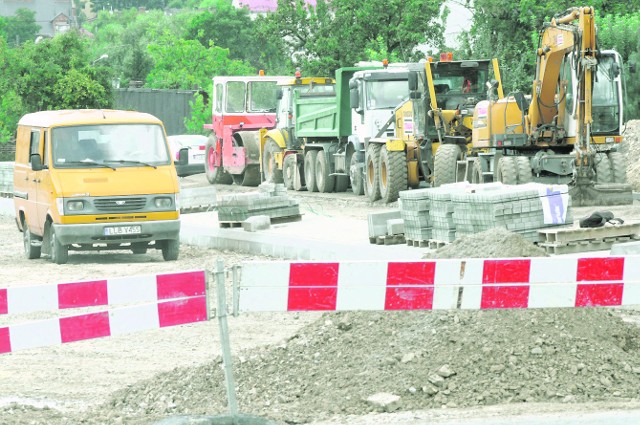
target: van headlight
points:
(163, 202)
(74, 206)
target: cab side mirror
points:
(36, 162)
(413, 81)
(354, 98)
(183, 156)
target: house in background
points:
(263, 6)
(53, 16)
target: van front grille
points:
(119, 204)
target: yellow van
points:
(95, 180)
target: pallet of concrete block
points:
(270, 200)
(569, 240)
(414, 211)
(385, 228)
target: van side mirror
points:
(36, 162)
(183, 156)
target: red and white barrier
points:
(441, 284)
(112, 291)
(179, 298)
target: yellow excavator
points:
(570, 129)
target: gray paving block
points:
(256, 222)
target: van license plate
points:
(122, 230)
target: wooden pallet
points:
(229, 224)
(387, 239)
(274, 220)
(418, 243)
(434, 244)
(574, 239)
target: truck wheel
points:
(269, 165)
(372, 167)
(507, 170)
(476, 172)
(524, 170)
(310, 170)
(59, 252)
(603, 168)
(393, 174)
(170, 249)
(31, 251)
(299, 180)
(618, 167)
(445, 164)
(324, 180)
(215, 174)
(355, 175)
(289, 171)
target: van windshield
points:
(112, 145)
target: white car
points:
(196, 148)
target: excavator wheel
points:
(310, 170)
(289, 171)
(393, 174)
(602, 166)
(525, 174)
(476, 172)
(355, 175)
(371, 179)
(269, 165)
(325, 182)
(507, 170)
(215, 174)
(445, 164)
(618, 167)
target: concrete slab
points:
(626, 248)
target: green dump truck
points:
(323, 124)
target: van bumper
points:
(69, 234)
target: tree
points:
(340, 32)
(22, 27)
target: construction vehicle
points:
(240, 107)
(323, 124)
(408, 158)
(570, 131)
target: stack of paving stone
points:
(6, 178)
(270, 200)
(414, 211)
(519, 209)
(441, 212)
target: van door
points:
(33, 182)
(44, 188)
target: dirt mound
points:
(631, 149)
(428, 359)
(493, 243)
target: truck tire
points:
(325, 182)
(269, 164)
(355, 175)
(299, 180)
(445, 164)
(393, 174)
(310, 170)
(170, 249)
(507, 170)
(525, 175)
(59, 252)
(476, 172)
(215, 174)
(602, 166)
(618, 167)
(31, 251)
(372, 171)
(289, 171)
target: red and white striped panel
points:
(551, 282)
(112, 291)
(104, 323)
(356, 285)
(441, 284)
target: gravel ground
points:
(323, 369)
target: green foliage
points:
(20, 28)
(200, 114)
(342, 32)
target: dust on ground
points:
(325, 368)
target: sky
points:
(459, 20)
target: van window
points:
(112, 145)
(34, 145)
(235, 96)
(45, 157)
(219, 93)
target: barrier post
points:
(224, 338)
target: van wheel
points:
(170, 249)
(59, 252)
(31, 251)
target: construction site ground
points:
(320, 369)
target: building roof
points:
(263, 6)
